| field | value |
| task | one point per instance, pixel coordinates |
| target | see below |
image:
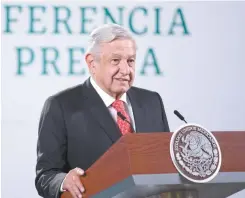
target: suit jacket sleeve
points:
(164, 117)
(51, 150)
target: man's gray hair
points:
(105, 34)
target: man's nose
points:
(124, 68)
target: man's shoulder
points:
(144, 95)
(67, 94)
(142, 91)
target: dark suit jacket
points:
(76, 128)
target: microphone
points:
(125, 119)
(179, 116)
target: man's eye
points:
(131, 61)
(115, 61)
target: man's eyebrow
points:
(132, 56)
(118, 55)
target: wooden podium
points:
(139, 165)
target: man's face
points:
(114, 71)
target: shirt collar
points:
(107, 99)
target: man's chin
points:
(122, 89)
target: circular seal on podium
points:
(195, 153)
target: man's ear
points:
(89, 58)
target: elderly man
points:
(78, 125)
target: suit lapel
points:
(100, 112)
(138, 111)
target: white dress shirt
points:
(108, 100)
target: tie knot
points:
(118, 105)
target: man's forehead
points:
(119, 48)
